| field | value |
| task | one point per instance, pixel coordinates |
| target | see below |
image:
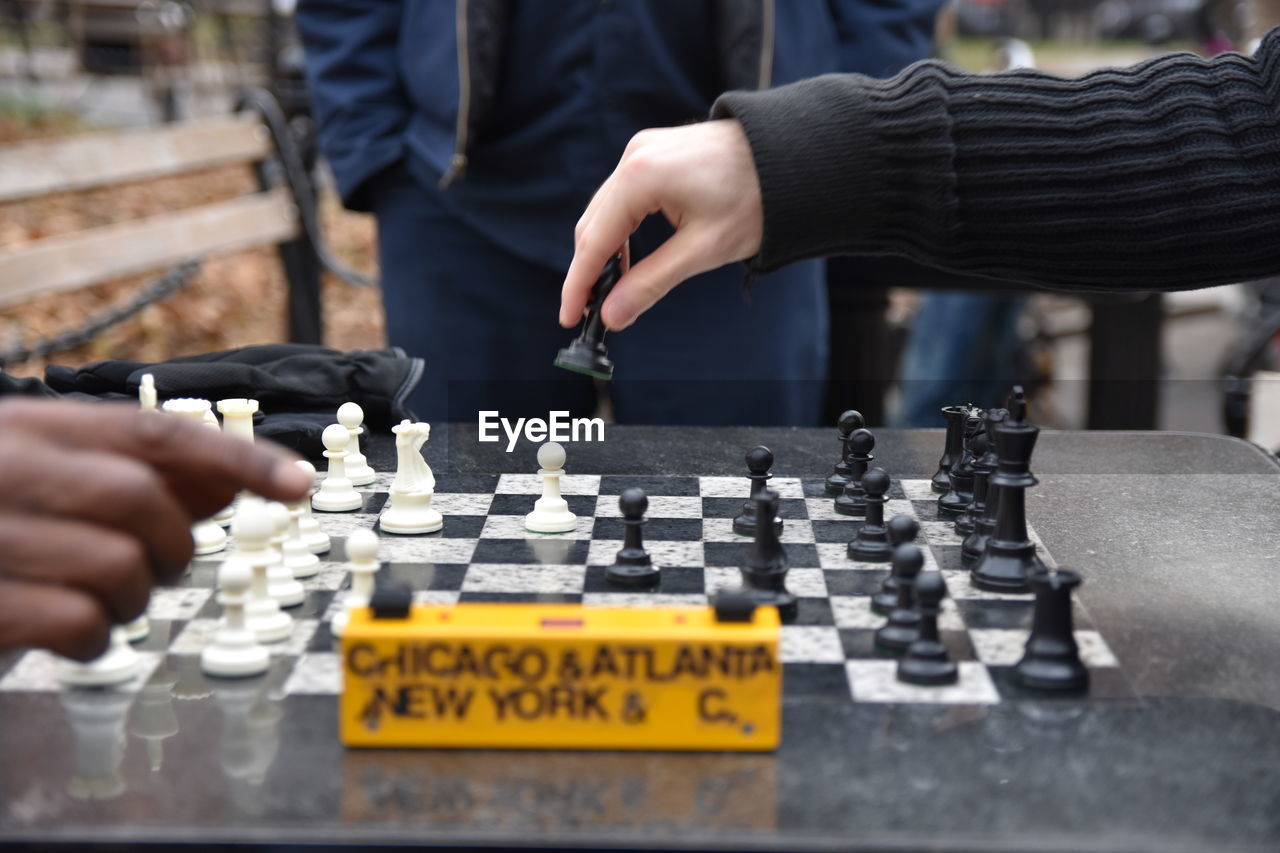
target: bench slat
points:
(128, 248)
(101, 159)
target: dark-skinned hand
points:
(97, 507)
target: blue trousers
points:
(963, 348)
(485, 323)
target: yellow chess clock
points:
(539, 676)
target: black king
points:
(1010, 556)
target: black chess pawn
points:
(633, 567)
(903, 627)
(871, 544)
(853, 500)
(1010, 556)
(954, 416)
(955, 500)
(966, 522)
(759, 461)
(849, 421)
(985, 496)
(927, 660)
(764, 572)
(1052, 657)
(902, 528)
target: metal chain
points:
(171, 282)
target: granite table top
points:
(1176, 535)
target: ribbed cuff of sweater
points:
(1161, 176)
(848, 165)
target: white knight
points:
(409, 505)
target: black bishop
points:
(764, 572)
(986, 497)
(956, 499)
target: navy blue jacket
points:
(520, 125)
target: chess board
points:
(484, 554)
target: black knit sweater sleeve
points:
(1165, 175)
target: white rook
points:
(237, 416)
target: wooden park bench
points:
(282, 212)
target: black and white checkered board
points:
(485, 554)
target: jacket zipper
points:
(458, 163)
(766, 45)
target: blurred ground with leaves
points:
(235, 300)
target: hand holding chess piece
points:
(109, 498)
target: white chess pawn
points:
(336, 493)
(550, 512)
(351, 416)
(281, 583)
(147, 393)
(116, 665)
(235, 651)
(208, 534)
(312, 534)
(362, 562)
(253, 528)
(137, 630)
(409, 507)
(295, 554)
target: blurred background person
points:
(963, 346)
(477, 133)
